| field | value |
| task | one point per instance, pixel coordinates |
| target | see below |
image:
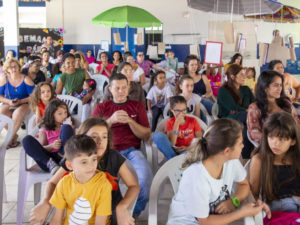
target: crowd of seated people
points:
(260, 112)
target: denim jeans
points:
(164, 145)
(203, 116)
(145, 176)
(291, 204)
(208, 104)
(40, 155)
(156, 112)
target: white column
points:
(11, 26)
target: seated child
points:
(180, 129)
(88, 86)
(250, 81)
(214, 78)
(85, 193)
(158, 96)
(212, 166)
(42, 94)
(172, 62)
(274, 167)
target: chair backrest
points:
(93, 67)
(215, 111)
(171, 170)
(31, 124)
(101, 81)
(72, 102)
(123, 187)
(5, 120)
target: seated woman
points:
(270, 98)
(180, 130)
(109, 161)
(201, 83)
(146, 65)
(138, 74)
(33, 71)
(72, 79)
(117, 58)
(274, 168)
(236, 59)
(105, 68)
(233, 97)
(15, 90)
(290, 82)
(136, 92)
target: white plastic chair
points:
(29, 176)
(72, 102)
(166, 110)
(101, 81)
(215, 111)
(123, 187)
(4, 120)
(93, 68)
(256, 144)
(31, 124)
(171, 170)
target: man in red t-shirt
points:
(129, 124)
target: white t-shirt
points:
(159, 98)
(192, 102)
(136, 75)
(199, 193)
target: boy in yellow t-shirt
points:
(85, 193)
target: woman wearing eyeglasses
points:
(180, 130)
(146, 65)
(15, 90)
(138, 72)
(33, 70)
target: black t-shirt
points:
(40, 76)
(111, 163)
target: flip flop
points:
(13, 145)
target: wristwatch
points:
(235, 201)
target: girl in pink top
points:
(48, 149)
(215, 79)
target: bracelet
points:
(175, 132)
(235, 201)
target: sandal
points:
(13, 145)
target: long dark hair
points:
(187, 61)
(154, 76)
(180, 82)
(264, 81)
(283, 125)
(175, 100)
(221, 133)
(234, 57)
(48, 120)
(87, 125)
(120, 54)
(234, 69)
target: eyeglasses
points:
(140, 54)
(14, 67)
(179, 111)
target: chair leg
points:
(37, 193)
(22, 196)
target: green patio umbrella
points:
(126, 15)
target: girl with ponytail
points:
(212, 167)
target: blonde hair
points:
(8, 62)
(36, 95)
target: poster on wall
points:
(213, 52)
(32, 39)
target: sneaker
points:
(52, 166)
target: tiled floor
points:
(9, 215)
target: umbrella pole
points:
(126, 43)
(231, 10)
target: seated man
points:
(129, 125)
